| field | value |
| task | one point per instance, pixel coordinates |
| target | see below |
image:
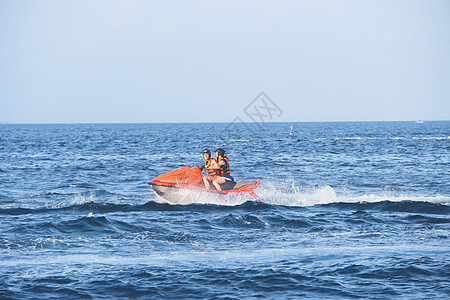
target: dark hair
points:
(220, 151)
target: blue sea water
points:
(345, 210)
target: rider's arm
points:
(214, 165)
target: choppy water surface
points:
(346, 210)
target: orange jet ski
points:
(185, 184)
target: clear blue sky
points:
(204, 61)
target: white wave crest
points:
(295, 196)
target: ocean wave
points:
(242, 221)
(435, 206)
(337, 272)
(294, 196)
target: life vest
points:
(209, 169)
(225, 168)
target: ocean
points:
(346, 210)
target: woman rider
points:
(211, 167)
(224, 169)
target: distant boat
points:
(419, 121)
(291, 130)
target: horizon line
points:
(205, 122)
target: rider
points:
(211, 167)
(224, 169)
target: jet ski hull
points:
(192, 194)
(184, 186)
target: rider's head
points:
(206, 153)
(220, 151)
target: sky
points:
(207, 61)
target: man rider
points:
(211, 167)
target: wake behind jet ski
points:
(185, 185)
